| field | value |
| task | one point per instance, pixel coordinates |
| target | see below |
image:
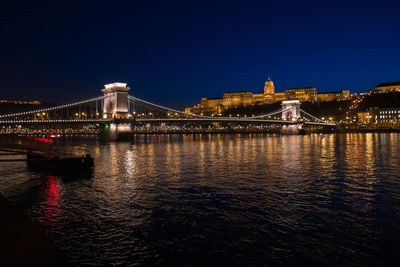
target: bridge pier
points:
(116, 132)
(292, 129)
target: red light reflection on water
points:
(52, 198)
(44, 140)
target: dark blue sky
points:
(174, 53)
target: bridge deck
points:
(216, 119)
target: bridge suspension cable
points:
(165, 108)
(272, 113)
(54, 108)
(132, 98)
(315, 118)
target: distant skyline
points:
(175, 52)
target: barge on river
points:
(54, 164)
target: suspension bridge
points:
(118, 107)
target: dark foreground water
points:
(222, 200)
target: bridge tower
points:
(291, 112)
(116, 101)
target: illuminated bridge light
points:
(186, 116)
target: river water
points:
(222, 200)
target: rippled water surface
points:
(222, 199)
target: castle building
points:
(269, 88)
(269, 92)
(214, 106)
(333, 96)
(279, 97)
(310, 94)
(388, 87)
(210, 105)
(234, 99)
(303, 94)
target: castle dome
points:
(269, 87)
(269, 81)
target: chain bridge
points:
(117, 107)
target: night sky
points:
(174, 53)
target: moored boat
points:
(54, 164)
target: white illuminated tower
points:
(291, 110)
(116, 101)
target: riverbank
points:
(6, 139)
(22, 243)
(367, 130)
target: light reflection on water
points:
(222, 199)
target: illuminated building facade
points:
(385, 117)
(303, 94)
(18, 102)
(246, 98)
(269, 92)
(307, 94)
(235, 99)
(364, 117)
(279, 97)
(333, 96)
(210, 105)
(388, 87)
